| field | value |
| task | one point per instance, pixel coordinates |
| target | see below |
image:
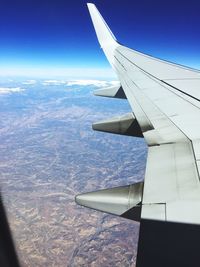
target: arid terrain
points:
(48, 154)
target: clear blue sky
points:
(59, 34)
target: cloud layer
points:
(53, 82)
(29, 82)
(97, 83)
(83, 82)
(9, 90)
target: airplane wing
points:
(164, 98)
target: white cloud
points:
(114, 83)
(82, 82)
(53, 82)
(9, 90)
(97, 83)
(30, 82)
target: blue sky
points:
(54, 35)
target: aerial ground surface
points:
(48, 154)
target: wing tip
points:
(104, 34)
(90, 4)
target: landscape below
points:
(49, 154)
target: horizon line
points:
(58, 72)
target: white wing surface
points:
(165, 101)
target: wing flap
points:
(172, 180)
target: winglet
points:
(104, 34)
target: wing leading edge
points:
(165, 100)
